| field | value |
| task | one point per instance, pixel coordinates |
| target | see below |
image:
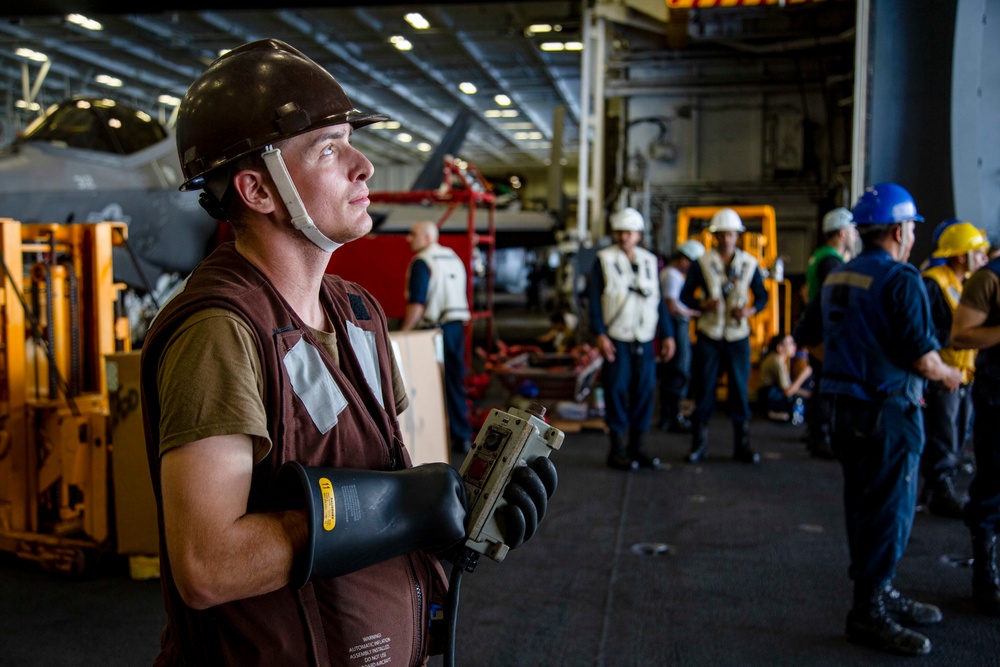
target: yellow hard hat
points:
(959, 239)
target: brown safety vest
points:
(378, 615)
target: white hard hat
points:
(627, 220)
(726, 220)
(691, 249)
(837, 219)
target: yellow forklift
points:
(58, 318)
(761, 241)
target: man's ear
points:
(255, 190)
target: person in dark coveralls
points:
(293, 528)
(718, 285)
(626, 313)
(976, 324)
(879, 348)
(948, 414)
(840, 236)
(675, 375)
(437, 296)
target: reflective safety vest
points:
(857, 336)
(447, 298)
(732, 286)
(963, 360)
(631, 296)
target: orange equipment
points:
(57, 318)
(761, 241)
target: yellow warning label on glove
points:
(329, 504)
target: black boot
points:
(636, 454)
(985, 578)
(869, 624)
(699, 442)
(618, 458)
(945, 500)
(742, 451)
(906, 611)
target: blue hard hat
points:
(885, 204)
(943, 225)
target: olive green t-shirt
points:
(211, 381)
(774, 372)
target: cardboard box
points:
(420, 357)
(135, 506)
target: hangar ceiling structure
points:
(499, 47)
(488, 45)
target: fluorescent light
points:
(424, 147)
(518, 126)
(84, 22)
(33, 106)
(467, 88)
(417, 21)
(539, 28)
(143, 116)
(169, 100)
(502, 100)
(404, 137)
(32, 55)
(82, 104)
(401, 42)
(115, 123)
(528, 136)
(108, 80)
(574, 46)
(501, 113)
(384, 125)
(553, 46)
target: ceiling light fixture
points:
(404, 137)
(502, 100)
(32, 55)
(32, 106)
(401, 43)
(169, 100)
(108, 80)
(574, 46)
(84, 22)
(500, 113)
(553, 46)
(467, 88)
(424, 147)
(384, 125)
(539, 28)
(417, 21)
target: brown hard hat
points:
(252, 96)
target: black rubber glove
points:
(527, 495)
(361, 517)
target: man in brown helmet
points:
(293, 528)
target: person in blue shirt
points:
(437, 296)
(880, 348)
(626, 315)
(718, 286)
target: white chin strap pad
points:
(300, 218)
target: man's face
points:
(627, 240)
(332, 179)
(727, 241)
(977, 259)
(418, 238)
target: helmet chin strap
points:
(905, 241)
(300, 218)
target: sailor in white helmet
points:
(626, 314)
(719, 285)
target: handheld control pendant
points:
(506, 440)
